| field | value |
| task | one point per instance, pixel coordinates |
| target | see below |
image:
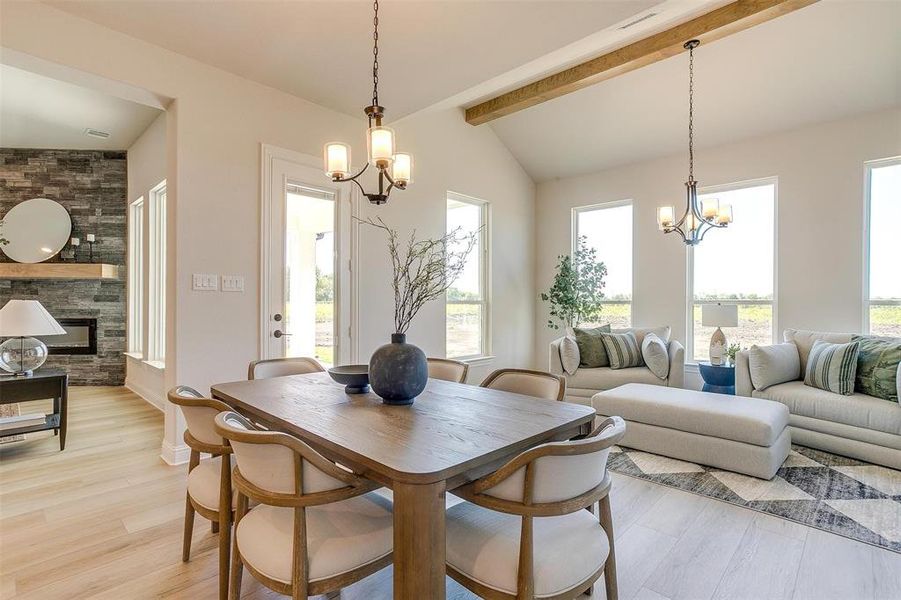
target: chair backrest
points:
(557, 472)
(280, 367)
(200, 413)
(539, 384)
(447, 369)
(278, 465)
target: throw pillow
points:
(772, 365)
(655, 355)
(622, 350)
(569, 354)
(592, 353)
(877, 367)
(832, 367)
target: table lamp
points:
(20, 320)
(718, 315)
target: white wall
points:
(819, 221)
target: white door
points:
(307, 248)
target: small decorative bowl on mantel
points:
(355, 378)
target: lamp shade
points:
(719, 315)
(27, 318)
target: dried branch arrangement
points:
(425, 269)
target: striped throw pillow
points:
(832, 367)
(623, 350)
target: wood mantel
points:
(58, 271)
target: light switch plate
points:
(232, 283)
(205, 282)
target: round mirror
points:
(36, 229)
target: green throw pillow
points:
(877, 367)
(592, 353)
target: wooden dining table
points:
(451, 435)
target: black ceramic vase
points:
(398, 371)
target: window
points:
(882, 289)
(156, 309)
(608, 229)
(466, 314)
(736, 266)
(136, 277)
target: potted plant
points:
(422, 271)
(578, 289)
(731, 351)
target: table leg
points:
(419, 568)
(63, 415)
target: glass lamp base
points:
(22, 355)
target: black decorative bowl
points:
(354, 377)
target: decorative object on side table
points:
(20, 320)
(718, 315)
(719, 379)
(355, 378)
(423, 271)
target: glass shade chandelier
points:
(699, 217)
(395, 168)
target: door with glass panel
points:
(307, 279)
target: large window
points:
(156, 309)
(608, 229)
(883, 284)
(736, 266)
(136, 277)
(467, 300)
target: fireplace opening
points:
(80, 337)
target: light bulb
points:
(381, 146)
(402, 169)
(337, 160)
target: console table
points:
(43, 384)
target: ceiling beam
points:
(719, 23)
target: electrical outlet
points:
(205, 282)
(232, 283)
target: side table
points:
(43, 384)
(719, 379)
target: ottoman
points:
(735, 433)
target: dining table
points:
(452, 434)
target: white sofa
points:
(585, 382)
(858, 425)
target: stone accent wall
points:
(92, 185)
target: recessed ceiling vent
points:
(96, 133)
(639, 20)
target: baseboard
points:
(154, 399)
(175, 455)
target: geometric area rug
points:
(823, 490)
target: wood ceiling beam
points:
(719, 23)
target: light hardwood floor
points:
(103, 520)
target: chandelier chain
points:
(375, 54)
(691, 95)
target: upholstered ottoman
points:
(745, 435)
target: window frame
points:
(689, 263)
(484, 277)
(156, 304)
(574, 236)
(136, 278)
(867, 303)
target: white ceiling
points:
(823, 62)
(40, 112)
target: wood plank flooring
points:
(103, 520)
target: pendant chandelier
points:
(699, 217)
(395, 168)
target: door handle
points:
(278, 333)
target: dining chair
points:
(527, 382)
(448, 369)
(279, 367)
(523, 533)
(315, 527)
(209, 490)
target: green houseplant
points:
(578, 289)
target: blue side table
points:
(719, 379)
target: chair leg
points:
(189, 529)
(606, 519)
(237, 565)
(224, 524)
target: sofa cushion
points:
(877, 367)
(804, 341)
(569, 354)
(771, 365)
(858, 410)
(623, 350)
(662, 332)
(592, 352)
(655, 356)
(606, 378)
(832, 367)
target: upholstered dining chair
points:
(523, 533)
(448, 369)
(527, 382)
(279, 367)
(209, 481)
(315, 527)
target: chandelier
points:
(699, 217)
(395, 168)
